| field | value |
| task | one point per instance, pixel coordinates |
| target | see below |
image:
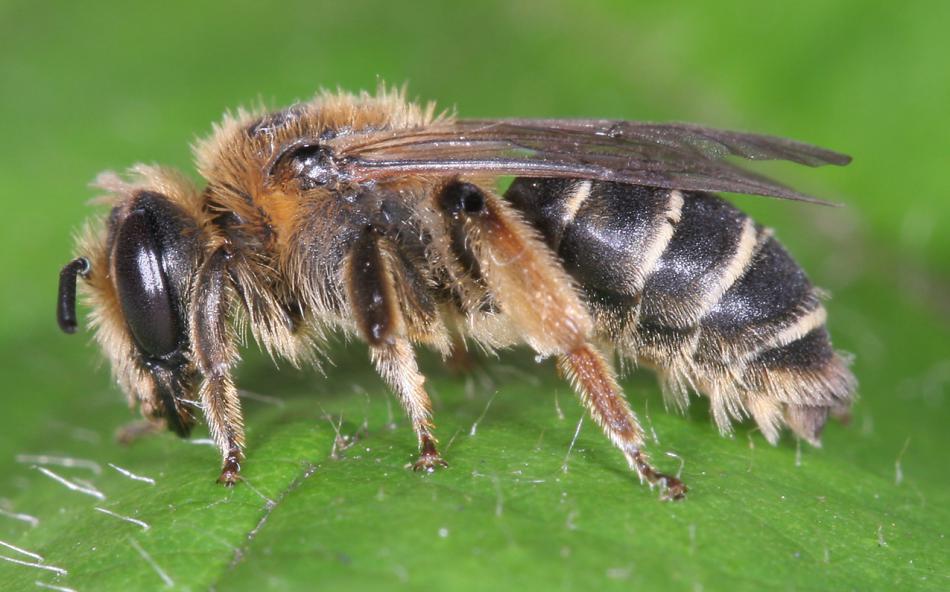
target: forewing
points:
(675, 156)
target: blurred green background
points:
(102, 85)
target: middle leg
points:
(374, 305)
(396, 363)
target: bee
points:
(380, 218)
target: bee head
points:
(138, 269)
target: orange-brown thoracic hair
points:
(285, 239)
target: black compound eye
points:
(143, 287)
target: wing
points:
(674, 156)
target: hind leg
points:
(526, 280)
(594, 381)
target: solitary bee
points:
(378, 217)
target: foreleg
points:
(215, 354)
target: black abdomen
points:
(688, 284)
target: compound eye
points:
(143, 287)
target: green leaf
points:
(518, 506)
(521, 507)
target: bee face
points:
(375, 217)
(139, 272)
